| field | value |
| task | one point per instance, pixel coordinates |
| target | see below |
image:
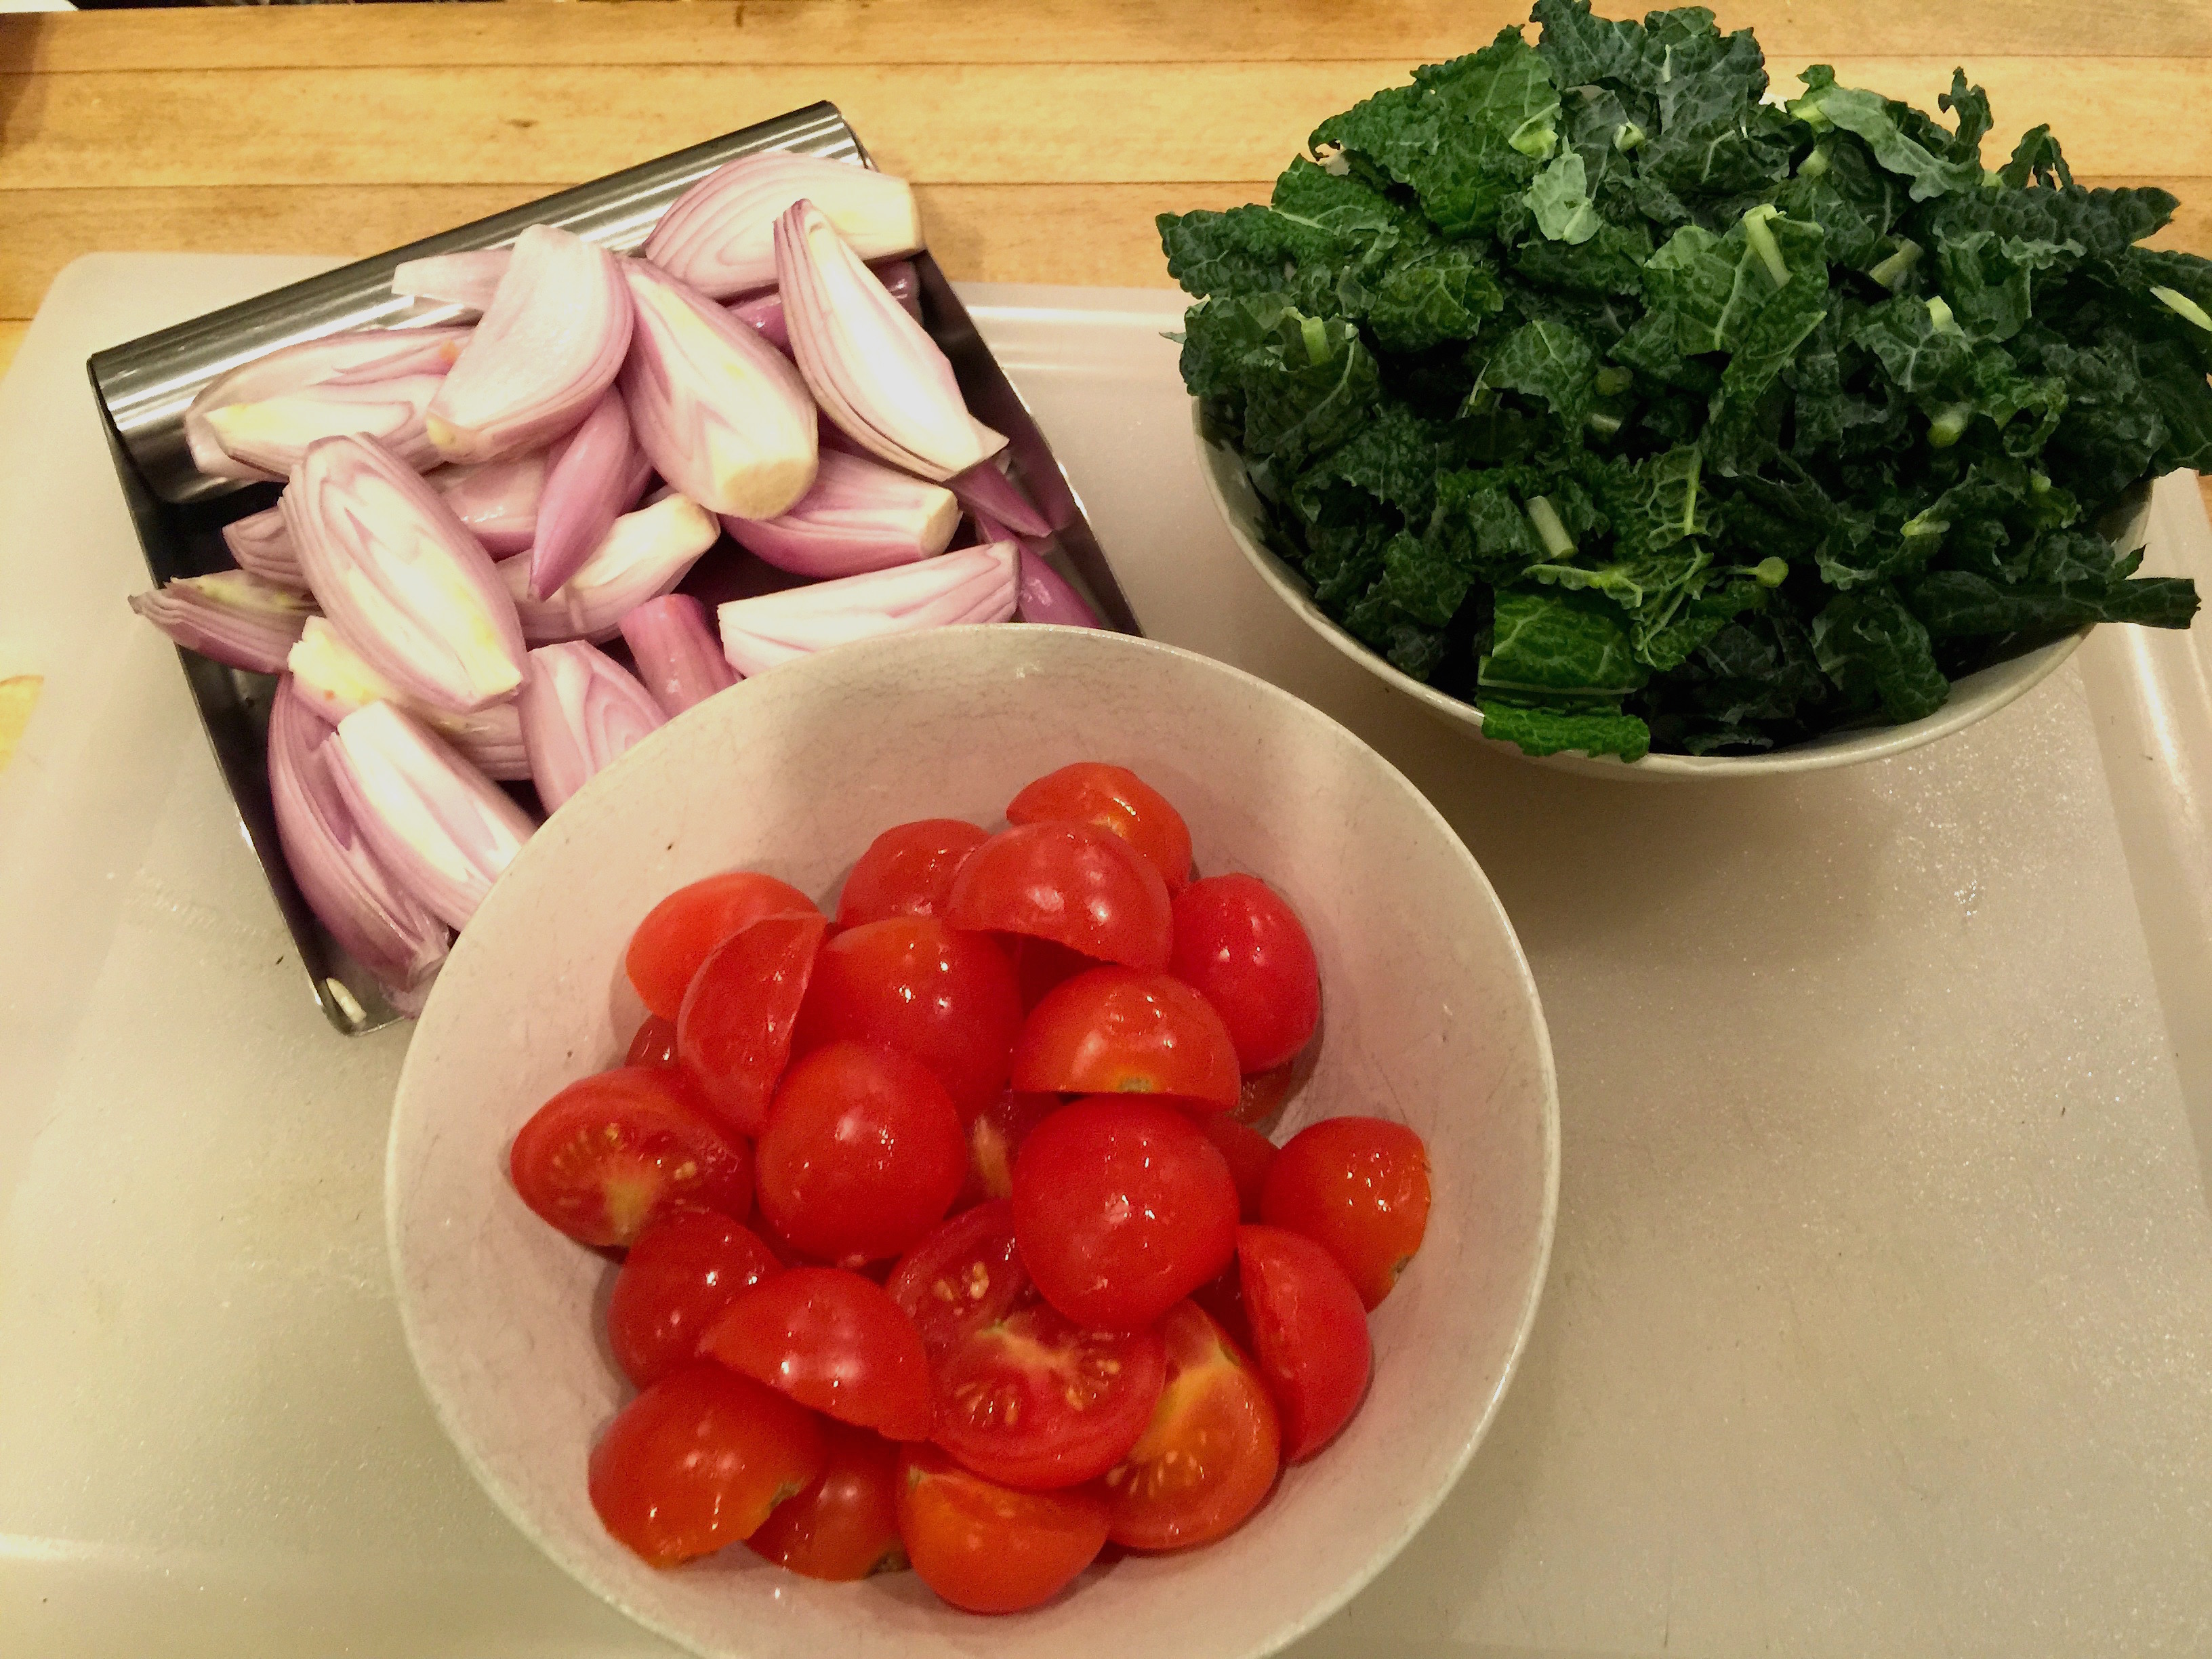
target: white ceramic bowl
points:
(1430, 1017)
(1973, 698)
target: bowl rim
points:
(1417, 1514)
(1845, 747)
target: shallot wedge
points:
(257, 421)
(382, 926)
(720, 413)
(332, 677)
(412, 590)
(597, 477)
(549, 343)
(442, 827)
(975, 585)
(874, 372)
(263, 547)
(498, 501)
(717, 237)
(235, 618)
(645, 555)
(581, 710)
(860, 516)
(678, 658)
(458, 279)
(765, 311)
(986, 490)
(1043, 595)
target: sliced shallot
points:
(717, 237)
(335, 680)
(643, 556)
(457, 279)
(973, 585)
(496, 500)
(1043, 595)
(764, 311)
(581, 710)
(860, 515)
(597, 477)
(233, 616)
(257, 421)
(678, 658)
(263, 547)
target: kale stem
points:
(1549, 530)
(1891, 271)
(1762, 241)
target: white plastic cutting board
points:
(1880, 1315)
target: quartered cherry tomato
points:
(834, 1341)
(733, 1031)
(987, 1548)
(1248, 1154)
(678, 933)
(1036, 1401)
(1209, 1455)
(845, 1526)
(698, 1460)
(1241, 946)
(1113, 798)
(1309, 1334)
(614, 1152)
(1114, 1031)
(677, 1279)
(1360, 1187)
(654, 1043)
(908, 871)
(1074, 883)
(965, 1275)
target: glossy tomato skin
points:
(733, 1031)
(1240, 944)
(947, 998)
(1037, 1402)
(994, 1140)
(965, 1275)
(1074, 883)
(1248, 1154)
(678, 1279)
(1040, 965)
(861, 1155)
(1261, 1101)
(845, 1525)
(1121, 1209)
(1115, 798)
(833, 1342)
(988, 1548)
(678, 933)
(1359, 1186)
(1309, 1334)
(1114, 1031)
(698, 1460)
(654, 1044)
(614, 1152)
(908, 871)
(1210, 1454)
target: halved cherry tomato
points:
(654, 1043)
(965, 1275)
(1114, 1031)
(1040, 964)
(1248, 1154)
(834, 1341)
(908, 871)
(1074, 884)
(612, 1153)
(1037, 1402)
(675, 1282)
(861, 1155)
(1261, 1101)
(988, 1548)
(678, 933)
(1113, 798)
(1360, 1187)
(994, 1140)
(1122, 1208)
(697, 1461)
(1209, 1455)
(733, 1032)
(845, 1526)
(911, 984)
(1222, 1297)
(1309, 1333)
(1241, 946)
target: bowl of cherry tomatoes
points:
(1025, 1122)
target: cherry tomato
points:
(965, 1275)
(1359, 1186)
(845, 1526)
(1248, 1154)
(675, 1282)
(911, 984)
(1037, 1402)
(1309, 1333)
(612, 1153)
(678, 933)
(994, 1139)
(1222, 1297)
(733, 1032)
(1259, 1102)
(1074, 884)
(654, 1043)
(697, 1461)
(861, 1155)
(1243, 947)
(1122, 1208)
(908, 871)
(833, 1341)
(1210, 1454)
(1113, 798)
(1114, 1031)
(1039, 965)
(988, 1548)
